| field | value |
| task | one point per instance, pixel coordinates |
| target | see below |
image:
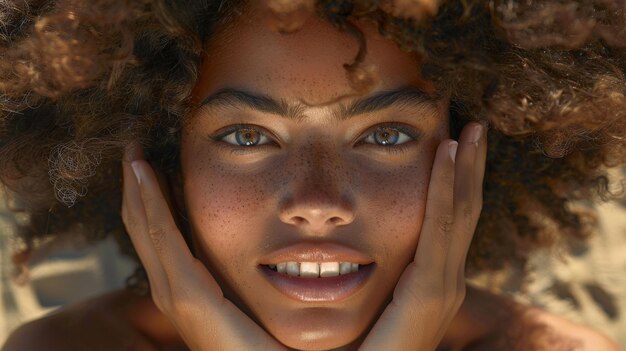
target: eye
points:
(243, 136)
(389, 136)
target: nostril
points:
(297, 220)
(337, 221)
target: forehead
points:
(303, 66)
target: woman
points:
(324, 198)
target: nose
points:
(318, 199)
(316, 217)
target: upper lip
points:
(316, 252)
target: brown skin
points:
(343, 187)
(124, 321)
(425, 299)
(548, 100)
(320, 185)
(378, 196)
(380, 187)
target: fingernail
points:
(452, 146)
(133, 151)
(137, 170)
(476, 133)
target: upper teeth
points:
(315, 269)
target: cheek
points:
(395, 202)
(222, 205)
(401, 193)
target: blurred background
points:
(61, 273)
(587, 286)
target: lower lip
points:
(327, 289)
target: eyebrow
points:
(408, 96)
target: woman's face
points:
(274, 173)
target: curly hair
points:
(80, 80)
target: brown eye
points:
(244, 136)
(247, 137)
(388, 136)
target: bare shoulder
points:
(31, 336)
(488, 321)
(94, 324)
(570, 335)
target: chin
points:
(314, 333)
(325, 339)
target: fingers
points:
(182, 287)
(439, 214)
(466, 160)
(467, 196)
(467, 206)
(134, 218)
(433, 287)
(477, 202)
(151, 227)
(453, 207)
(161, 228)
(481, 160)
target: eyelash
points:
(412, 133)
(240, 149)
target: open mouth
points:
(315, 269)
(317, 282)
(317, 272)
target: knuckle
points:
(442, 227)
(157, 234)
(445, 222)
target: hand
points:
(182, 288)
(432, 287)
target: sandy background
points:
(586, 286)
